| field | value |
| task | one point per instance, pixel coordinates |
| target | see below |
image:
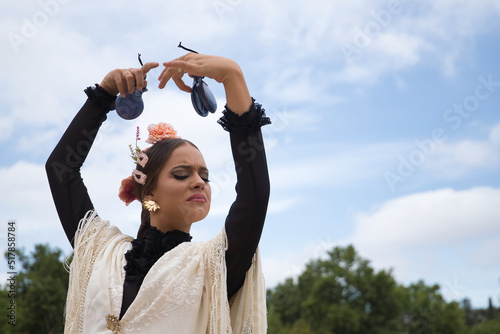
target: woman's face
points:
(182, 190)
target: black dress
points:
(244, 221)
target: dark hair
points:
(158, 155)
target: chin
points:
(197, 217)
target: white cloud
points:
(437, 32)
(47, 89)
(430, 218)
(390, 53)
(434, 160)
(456, 159)
(445, 236)
(466, 155)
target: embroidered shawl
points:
(184, 292)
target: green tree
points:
(347, 296)
(430, 313)
(302, 327)
(341, 294)
(41, 287)
(274, 324)
(483, 320)
(486, 327)
(286, 301)
(469, 314)
(4, 304)
(491, 312)
(344, 294)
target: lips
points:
(197, 198)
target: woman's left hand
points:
(223, 70)
(218, 68)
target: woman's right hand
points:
(124, 81)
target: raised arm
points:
(243, 119)
(63, 165)
(245, 220)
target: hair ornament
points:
(139, 176)
(142, 159)
(159, 132)
(136, 153)
(126, 192)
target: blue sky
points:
(385, 135)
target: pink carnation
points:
(126, 192)
(159, 132)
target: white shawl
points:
(184, 292)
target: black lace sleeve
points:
(245, 220)
(63, 165)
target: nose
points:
(198, 183)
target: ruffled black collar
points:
(146, 251)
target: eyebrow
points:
(202, 168)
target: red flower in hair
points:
(126, 192)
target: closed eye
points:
(184, 177)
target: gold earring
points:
(150, 205)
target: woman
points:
(160, 282)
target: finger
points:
(148, 66)
(163, 80)
(165, 77)
(130, 79)
(182, 86)
(162, 72)
(119, 84)
(140, 74)
(138, 78)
